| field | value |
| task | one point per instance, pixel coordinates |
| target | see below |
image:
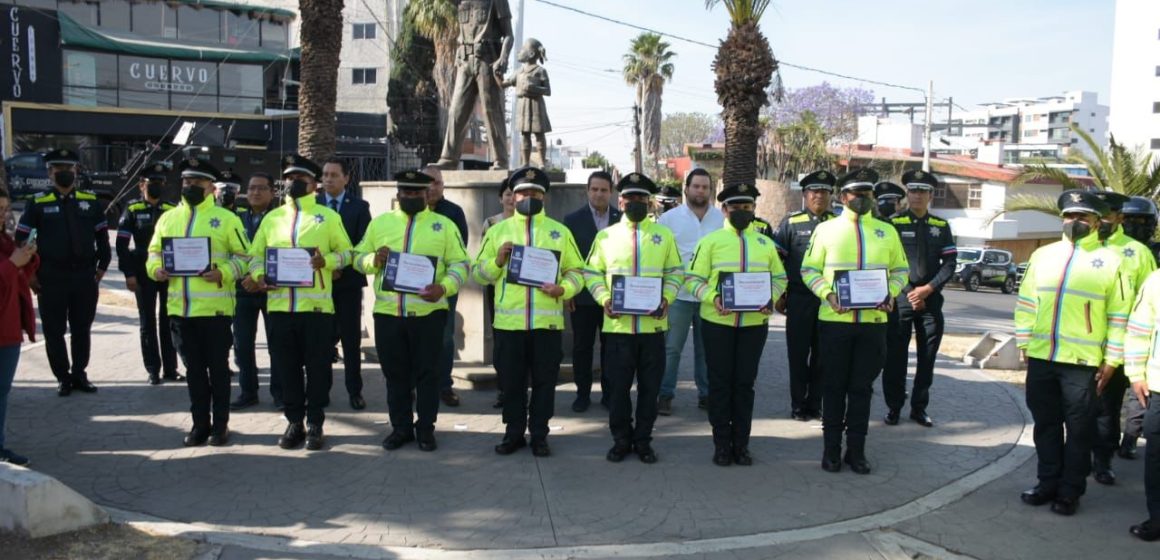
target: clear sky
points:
(975, 51)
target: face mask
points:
(153, 189)
(861, 205)
(193, 195)
(1140, 232)
(1106, 230)
(412, 206)
(228, 197)
(530, 206)
(636, 210)
(64, 179)
(298, 189)
(1076, 230)
(740, 219)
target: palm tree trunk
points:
(321, 38)
(651, 125)
(741, 133)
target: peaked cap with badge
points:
(196, 168)
(413, 180)
(636, 183)
(858, 179)
(295, 163)
(529, 178)
(738, 192)
(818, 181)
(919, 180)
(1083, 201)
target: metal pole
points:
(926, 133)
(514, 131)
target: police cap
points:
(858, 179)
(62, 156)
(196, 168)
(295, 163)
(818, 181)
(669, 193)
(1114, 200)
(1081, 201)
(529, 178)
(1139, 206)
(156, 171)
(888, 190)
(413, 180)
(636, 183)
(919, 180)
(738, 192)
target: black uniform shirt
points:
(792, 239)
(137, 225)
(930, 248)
(72, 234)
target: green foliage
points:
(597, 160)
(412, 97)
(741, 12)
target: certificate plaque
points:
(185, 256)
(408, 273)
(745, 291)
(861, 289)
(636, 295)
(532, 266)
(289, 267)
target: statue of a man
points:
(485, 41)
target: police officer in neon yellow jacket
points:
(855, 338)
(1142, 365)
(409, 319)
(733, 339)
(634, 247)
(1069, 321)
(300, 316)
(529, 320)
(201, 306)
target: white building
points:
(1135, 118)
(368, 30)
(1036, 127)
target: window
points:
(195, 103)
(115, 15)
(241, 105)
(364, 31)
(90, 69)
(975, 196)
(939, 196)
(364, 76)
(240, 80)
(199, 24)
(155, 19)
(240, 30)
(1156, 143)
(273, 35)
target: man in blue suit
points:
(587, 315)
(348, 285)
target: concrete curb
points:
(36, 505)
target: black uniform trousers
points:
(296, 348)
(1062, 395)
(348, 331)
(246, 313)
(587, 324)
(158, 355)
(410, 347)
(1108, 415)
(1152, 456)
(1133, 417)
(732, 355)
(801, 340)
(927, 328)
(204, 344)
(519, 354)
(855, 353)
(68, 300)
(629, 357)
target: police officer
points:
(529, 321)
(227, 189)
(733, 339)
(634, 247)
(667, 198)
(1143, 369)
(1137, 265)
(889, 198)
(201, 305)
(136, 227)
(73, 243)
(800, 304)
(855, 338)
(301, 316)
(1140, 224)
(930, 250)
(1069, 323)
(409, 319)
(249, 304)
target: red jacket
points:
(17, 315)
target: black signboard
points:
(30, 55)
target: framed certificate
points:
(408, 273)
(636, 295)
(745, 291)
(861, 289)
(289, 267)
(185, 256)
(532, 266)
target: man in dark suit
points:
(348, 285)
(587, 315)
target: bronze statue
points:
(532, 86)
(485, 41)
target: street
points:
(974, 312)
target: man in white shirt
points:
(691, 221)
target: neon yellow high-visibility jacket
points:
(191, 296)
(1141, 357)
(1073, 304)
(519, 308)
(1138, 262)
(729, 250)
(302, 223)
(425, 233)
(627, 249)
(853, 242)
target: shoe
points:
(891, 418)
(449, 397)
(665, 406)
(64, 388)
(1064, 506)
(703, 403)
(427, 441)
(1127, 448)
(83, 385)
(618, 452)
(799, 415)
(397, 439)
(1106, 476)
(540, 448)
(646, 454)
(293, 437)
(921, 418)
(1036, 496)
(581, 403)
(857, 464)
(244, 401)
(13, 458)
(196, 437)
(219, 437)
(498, 400)
(174, 376)
(313, 437)
(357, 402)
(1147, 531)
(511, 445)
(154, 379)
(832, 460)
(722, 456)
(742, 457)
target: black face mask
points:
(635, 210)
(228, 197)
(153, 189)
(298, 189)
(861, 205)
(193, 195)
(412, 206)
(1141, 232)
(1076, 230)
(740, 219)
(530, 206)
(1106, 230)
(64, 179)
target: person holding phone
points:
(17, 319)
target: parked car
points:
(1019, 272)
(983, 266)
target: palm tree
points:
(745, 67)
(321, 38)
(647, 66)
(437, 20)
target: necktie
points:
(334, 204)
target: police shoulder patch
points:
(136, 206)
(901, 220)
(50, 197)
(936, 221)
(86, 195)
(799, 218)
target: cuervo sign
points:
(169, 76)
(31, 54)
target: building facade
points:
(1036, 128)
(1135, 103)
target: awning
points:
(239, 7)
